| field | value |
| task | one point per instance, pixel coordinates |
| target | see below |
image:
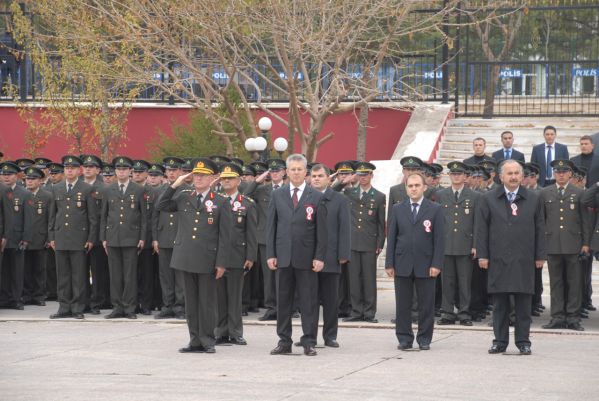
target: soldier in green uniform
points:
(368, 238)
(123, 233)
(243, 252)
(72, 232)
(107, 173)
(397, 193)
(201, 249)
(56, 175)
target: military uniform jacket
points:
(590, 200)
(367, 219)
(568, 224)
(97, 189)
(3, 189)
(261, 195)
(297, 236)
(201, 242)
(150, 196)
(415, 247)
(459, 219)
(511, 242)
(338, 229)
(38, 208)
(124, 217)
(164, 224)
(17, 221)
(73, 218)
(242, 239)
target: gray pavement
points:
(98, 359)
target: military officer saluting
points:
(201, 249)
(123, 234)
(72, 232)
(243, 252)
(367, 241)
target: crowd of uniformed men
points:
(95, 235)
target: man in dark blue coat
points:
(415, 251)
(544, 153)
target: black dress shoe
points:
(331, 343)
(404, 346)
(222, 340)
(281, 350)
(437, 313)
(114, 315)
(296, 315)
(146, 311)
(180, 315)
(267, 317)
(525, 350)
(497, 349)
(444, 322)
(238, 341)
(209, 349)
(353, 319)
(535, 313)
(164, 314)
(342, 314)
(191, 348)
(424, 347)
(371, 320)
(38, 303)
(78, 315)
(253, 310)
(575, 326)
(131, 316)
(309, 350)
(95, 311)
(466, 322)
(584, 315)
(19, 306)
(61, 315)
(590, 307)
(554, 325)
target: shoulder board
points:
(187, 190)
(246, 198)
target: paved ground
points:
(96, 359)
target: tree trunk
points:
(362, 130)
(490, 91)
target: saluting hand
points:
(260, 179)
(180, 180)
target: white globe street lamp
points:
(280, 145)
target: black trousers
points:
(565, 280)
(328, 293)
(145, 279)
(34, 286)
(100, 288)
(587, 281)
(270, 283)
(122, 264)
(13, 275)
(172, 283)
(200, 307)
(305, 282)
(456, 279)
(229, 289)
(344, 296)
(501, 318)
(479, 296)
(362, 284)
(51, 285)
(536, 298)
(71, 277)
(404, 292)
(251, 288)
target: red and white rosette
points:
(514, 209)
(309, 213)
(427, 226)
(209, 205)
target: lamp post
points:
(250, 146)
(280, 145)
(265, 124)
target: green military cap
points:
(139, 166)
(107, 170)
(71, 161)
(204, 165)
(42, 162)
(91, 161)
(488, 165)
(55, 168)
(156, 169)
(427, 169)
(122, 162)
(237, 161)
(219, 159)
(345, 167)
(186, 165)
(34, 173)
(562, 165)
(457, 167)
(471, 169)
(437, 169)
(485, 174)
(248, 170)
(260, 167)
(9, 168)
(24, 163)
(172, 162)
(276, 164)
(411, 162)
(230, 170)
(364, 168)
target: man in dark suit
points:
(123, 234)
(415, 258)
(296, 246)
(507, 152)
(543, 154)
(510, 243)
(478, 145)
(398, 193)
(200, 249)
(17, 234)
(338, 251)
(72, 232)
(586, 156)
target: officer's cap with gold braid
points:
(122, 162)
(91, 161)
(230, 170)
(173, 163)
(34, 172)
(562, 165)
(203, 165)
(346, 166)
(9, 168)
(457, 167)
(156, 169)
(364, 168)
(411, 162)
(71, 161)
(276, 164)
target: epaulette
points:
(187, 190)
(248, 198)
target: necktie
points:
(511, 196)
(230, 200)
(457, 195)
(561, 192)
(276, 186)
(69, 189)
(363, 194)
(294, 198)
(122, 189)
(508, 154)
(549, 160)
(199, 201)
(414, 211)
